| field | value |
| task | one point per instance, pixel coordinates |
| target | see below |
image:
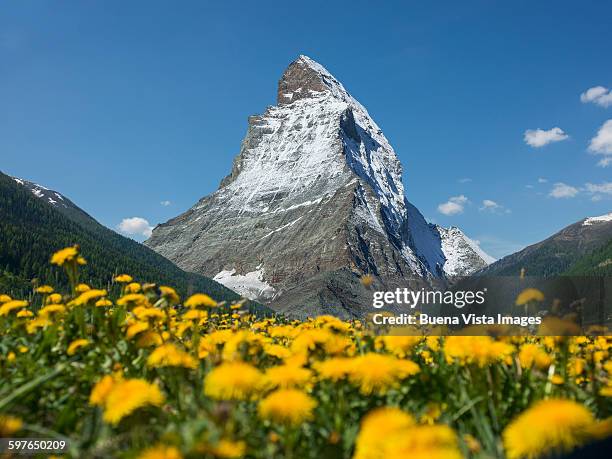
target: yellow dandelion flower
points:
(549, 426)
(334, 369)
(132, 287)
(12, 305)
(424, 442)
(287, 406)
(376, 373)
(533, 355)
(229, 449)
(194, 314)
(25, 313)
(34, 324)
(200, 300)
(319, 339)
(76, 345)
(557, 379)
(123, 278)
(169, 294)
(100, 391)
(276, 350)
(136, 328)
(87, 296)
(133, 299)
(233, 381)
(67, 255)
(401, 346)
(169, 355)
(54, 298)
(103, 302)
(148, 339)
(126, 396)
(9, 425)
(378, 425)
(432, 413)
(5, 298)
(160, 452)
(23, 349)
(146, 313)
(82, 288)
(480, 350)
(10, 357)
(528, 295)
(287, 376)
(52, 309)
(44, 289)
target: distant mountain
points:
(315, 200)
(36, 221)
(463, 255)
(579, 248)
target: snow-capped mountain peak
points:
(315, 198)
(600, 219)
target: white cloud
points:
(165, 203)
(489, 205)
(605, 162)
(602, 142)
(538, 138)
(135, 226)
(562, 190)
(454, 205)
(542, 180)
(603, 188)
(465, 180)
(598, 95)
(529, 186)
(597, 190)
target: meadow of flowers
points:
(135, 371)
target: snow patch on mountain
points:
(44, 193)
(250, 285)
(593, 220)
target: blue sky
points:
(123, 105)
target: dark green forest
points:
(32, 230)
(596, 263)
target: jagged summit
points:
(306, 78)
(314, 200)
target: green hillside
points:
(31, 230)
(596, 263)
(575, 249)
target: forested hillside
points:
(596, 263)
(31, 230)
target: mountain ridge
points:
(557, 253)
(33, 227)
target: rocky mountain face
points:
(314, 200)
(463, 255)
(558, 253)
